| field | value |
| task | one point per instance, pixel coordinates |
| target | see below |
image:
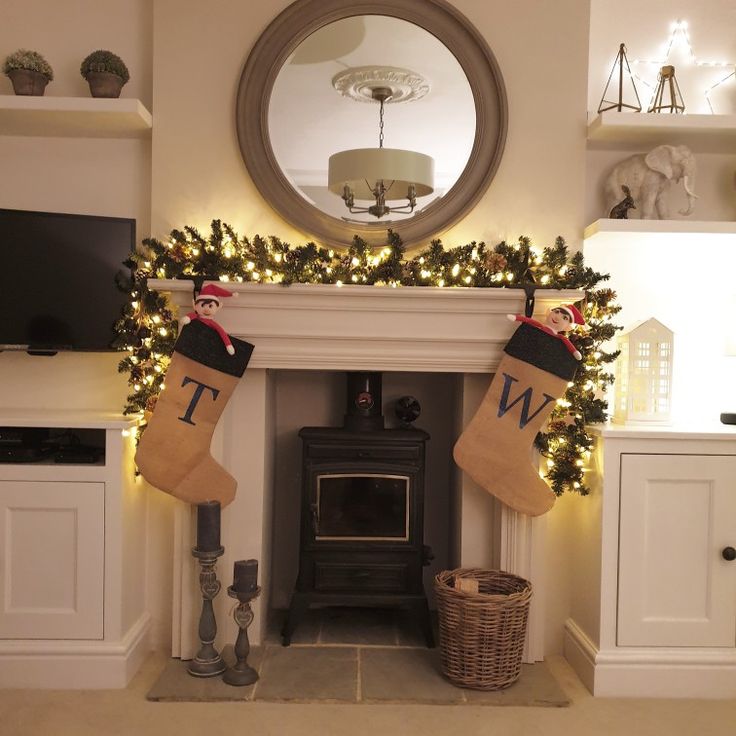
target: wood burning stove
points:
(362, 513)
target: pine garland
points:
(147, 330)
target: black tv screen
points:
(59, 289)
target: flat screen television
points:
(58, 279)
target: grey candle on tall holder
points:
(208, 526)
(245, 576)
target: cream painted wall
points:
(198, 174)
(79, 175)
(196, 53)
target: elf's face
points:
(558, 320)
(206, 307)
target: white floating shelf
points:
(74, 117)
(669, 230)
(643, 127)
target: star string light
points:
(679, 41)
(147, 330)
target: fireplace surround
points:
(326, 328)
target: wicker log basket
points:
(482, 619)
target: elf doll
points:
(206, 305)
(559, 320)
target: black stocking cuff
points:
(203, 345)
(547, 352)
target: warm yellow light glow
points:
(456, 269)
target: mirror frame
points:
(279, 41)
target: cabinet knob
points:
(728, 553)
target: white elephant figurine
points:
(648, 177)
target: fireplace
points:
(322, 328)
(362, 513)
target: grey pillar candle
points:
(245, 576)
(208, 526)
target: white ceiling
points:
(309, 120)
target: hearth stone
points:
(362, 521)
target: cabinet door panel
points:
(52, 560)
(677, 513)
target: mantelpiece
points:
(327, 328)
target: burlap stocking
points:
(495, 448)
(174, 452)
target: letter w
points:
(525, 396)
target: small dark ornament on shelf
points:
(407, 410)
(618, 65)
(621, 210)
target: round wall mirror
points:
(354, 118)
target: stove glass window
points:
(362, 506)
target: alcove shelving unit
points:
(80, 117)
(659, 492)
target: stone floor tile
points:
(308, 674)
(404, 675)
(307, 631)
(536, 686)
(175, 684)
(358, 626)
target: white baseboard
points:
(651, 672)
(74, 665)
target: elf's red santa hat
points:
(212, 291)
(575, 317)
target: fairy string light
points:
(147, 330)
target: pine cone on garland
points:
(495, 262)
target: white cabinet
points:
(653, 612)
(72, 561)
(52, 572)
(678, 512)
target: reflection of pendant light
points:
(380, 174)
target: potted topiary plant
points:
(28, 71)
(105, 73)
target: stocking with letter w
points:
(495, 447)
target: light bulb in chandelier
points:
(380, 175)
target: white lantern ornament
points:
(644, 374)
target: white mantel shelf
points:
(645, 127)
(325, 327)
(27, 115)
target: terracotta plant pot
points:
(27, 82)
(104, 84)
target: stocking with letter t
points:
(495, 447)
(174, 452)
